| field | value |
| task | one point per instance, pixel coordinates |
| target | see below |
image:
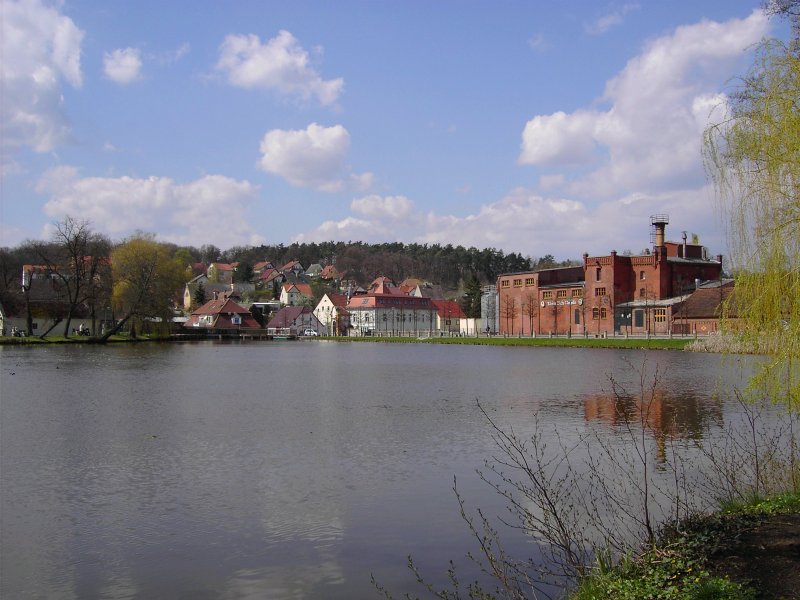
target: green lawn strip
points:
(76, 339)
(676, 567)
(575, 342)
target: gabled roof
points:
(706, 301)
(222, 309)
(330, 272)
(286, 316)
(268, 275)
(339, 300)
(224, 266)
(314, 269)
(263, 265)
(221, 304)
(291, 266)
(302, 288)
(449, 309)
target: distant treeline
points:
(445, 265)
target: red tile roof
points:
(223, 308)
(449, 309)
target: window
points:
(601, 291)
(518, 283)
(577, 316)
(641, 275)
(547, 295)
(561, 294)
(577, 293)
(638, 318)
(505, 283)
(595, 313)
(597, 273)
(529, 281)
(660, 315)
(603, 313)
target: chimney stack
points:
(659, 225)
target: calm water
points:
(279, 470)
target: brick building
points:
(607, 294)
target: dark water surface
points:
(280, 470)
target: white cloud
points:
(41, 49)
(649, 138)
(311, 157)
(349, 228)
(189, 213)
(394, 207)
(559, 139)
(527, 222)
(280, 64)
(602, 24)
(123, 65)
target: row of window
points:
(548, 294)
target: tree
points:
(530, 308)
(471, 302)
(753, 157)
(199, 295)
(75, 258)
(243, 273)
(146, 278)
(508, 311)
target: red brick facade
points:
(613, 293)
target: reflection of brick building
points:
(613, 293)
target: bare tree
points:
(74, 260)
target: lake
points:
(284, 469)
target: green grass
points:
(74, 339)
(575, 342)
(676, 568)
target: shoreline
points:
(629, 343)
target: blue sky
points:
(532, 127)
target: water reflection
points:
(666, 416)
(277, 470)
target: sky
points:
(536, 127)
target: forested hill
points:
(445, 265)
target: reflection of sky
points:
(267, 470)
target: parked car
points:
(310, 331)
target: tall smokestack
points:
(659, 225)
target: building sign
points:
(561, 302)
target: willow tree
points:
(753, 156)
(147, 279)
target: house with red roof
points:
(448, 316)
(332, 313)
(293, 294)
(293, 320)
(701, 312)
(222, 314)
(385, 310)
(293, 267)
(221, 272)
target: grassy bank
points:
(75, 339)
(575, 342)
(693, 559)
